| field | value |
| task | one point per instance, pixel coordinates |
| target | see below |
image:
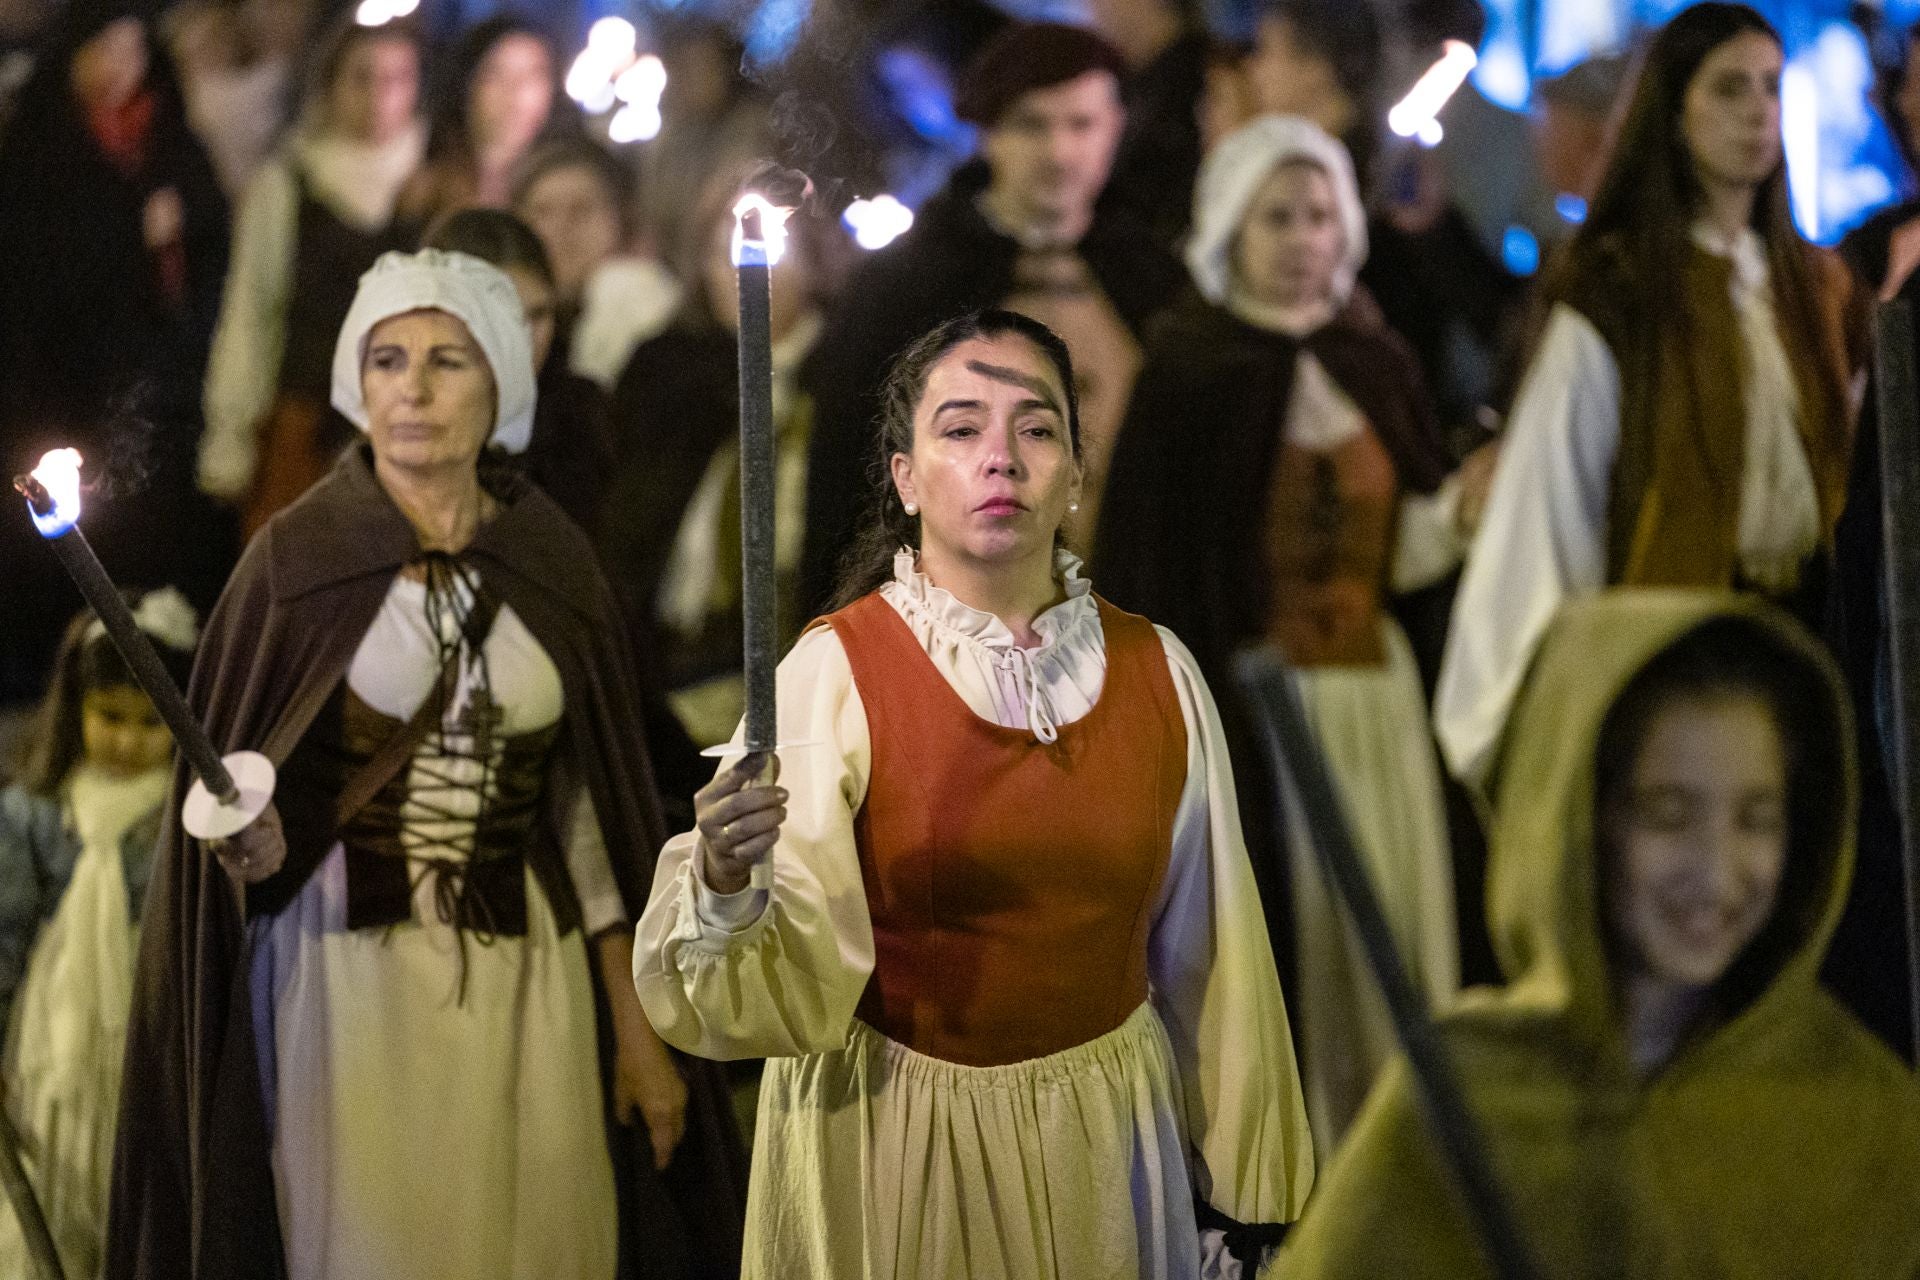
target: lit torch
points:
(1418, 114)
(229, 793)
(759, 240)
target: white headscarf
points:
(473, 292)
(1237, 167)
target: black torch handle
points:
(757, 596)
(1898, 383)
(1293, 752)
(85, 570)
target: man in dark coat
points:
(1026, 227)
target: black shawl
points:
(193, 1190)
(1181, 526)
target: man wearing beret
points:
(1027, 225)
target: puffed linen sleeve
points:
(243, 366)
(771, 973)
(1542, 539)
(1215, 989)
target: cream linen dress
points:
(420, 1133)
(875, 1161)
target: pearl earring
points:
(1073, 506)
(913, 508)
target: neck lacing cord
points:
(1041, 721)
(440, 840)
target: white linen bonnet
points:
(1237, 167)
(477, 294)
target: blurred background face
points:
(1052, 151)
(429, 392)
(511, 94)
(1290, 240)
(537, 300)
(1287, 78)
(111, 66)
(574, 215)
(992, 466)
(121, 733)
(1697, 840)
(1730, 117)
(699, 78)
(376, 90)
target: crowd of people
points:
(410, 423)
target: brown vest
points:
(1674, 511)
(1329, 533)
(1011, 883)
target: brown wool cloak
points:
(193, 1190)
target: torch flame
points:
(59, 473)
(772, 244)
(1415, 115)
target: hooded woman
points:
(1664, 1087)
(388, 1029)
(1278, 479)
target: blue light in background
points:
(1571, 208)
(1842, 163)
(1520, 251)
(775, 28)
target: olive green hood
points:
(1782, 1140)
(1543, 874)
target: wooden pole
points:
(1292, 752)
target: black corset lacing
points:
(453, 592)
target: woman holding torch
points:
(1009, 922)
(366, 1031)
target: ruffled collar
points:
(992, 641)
(939, 606)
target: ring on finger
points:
(726, 832)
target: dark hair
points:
(448, 139)
(491, 235)
(1429, 22)
(1743, 658)
(868, 562)
(86, 661)
(1890, 80)
(48, 94)
(342, 37)
(615, 178)
(1346, 35)
(1640, 222)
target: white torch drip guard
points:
(206, 818)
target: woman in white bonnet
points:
(374, 1018)
(1279, 480)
